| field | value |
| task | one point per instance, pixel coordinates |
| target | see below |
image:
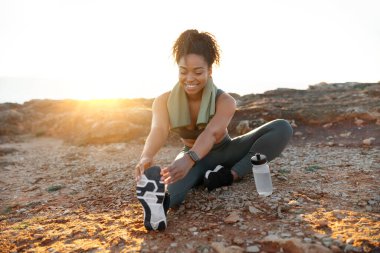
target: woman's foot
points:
(218, 177)
(151, 194)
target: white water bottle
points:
(261, 173)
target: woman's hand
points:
(143, 164)
(177, 170)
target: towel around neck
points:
(178, 106)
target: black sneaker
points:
(218, 177)
(151, 194)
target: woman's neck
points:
(194, 97)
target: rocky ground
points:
(58, 197)
(67, 178)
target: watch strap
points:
(193, 155)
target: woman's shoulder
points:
(224, 96)
(163, 96)
(162, 99)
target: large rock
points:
(318, 105)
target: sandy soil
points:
(61, 198)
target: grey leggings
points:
(269, 139)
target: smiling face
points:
(193, 73)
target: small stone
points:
(38, 236)
(220, 248)
(253, 210)
(328, 125)
(359, 122)
(371, 202)
(369, 141)
(173, 244)
(319, 236)
(286, 235)
(293, 245)
(307, 240)
(345, 135)
(300, 234)
(193, 229)
(322, 223)
(243, 227)
(252, 249)
(350, 248)
(238, 241)
(330, 143)
(22, 210)
(327, 242)
(350, 241)
(293, 203)
(232, 218)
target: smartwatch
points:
(193, 156)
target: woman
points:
(200, 113)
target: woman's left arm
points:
(215, 129)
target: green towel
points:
(178, 107)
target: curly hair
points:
(193, 42)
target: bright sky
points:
(87, 49)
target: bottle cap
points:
(258, 159)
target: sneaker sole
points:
(151, 193)
(217, 168)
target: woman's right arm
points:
(158, 134)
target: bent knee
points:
(284, 127)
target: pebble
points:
(253, 210)
(293, 203)
(320, 236)
(347, 134)
(369, 141)
(238, 240)
(243, 227)
(252, 249)
(371, 202)
(350, 248)
(322, 223)
(193, 229)
(286, 235)
(327, 242)
(307, 240)
(359, 122)
(232, 218)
